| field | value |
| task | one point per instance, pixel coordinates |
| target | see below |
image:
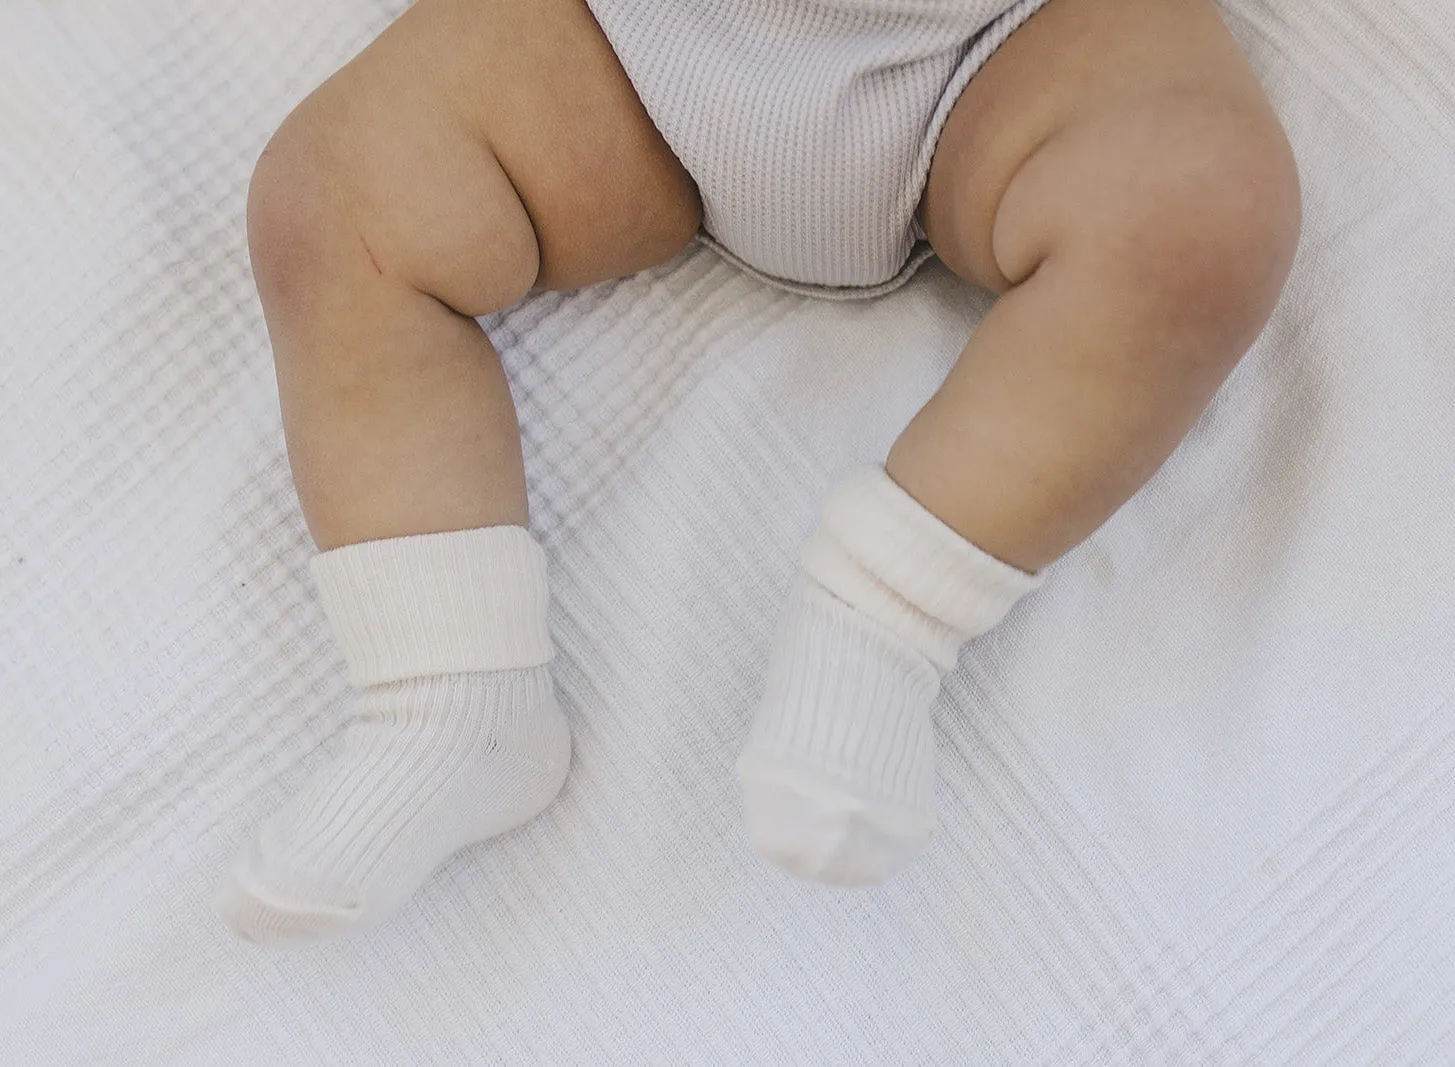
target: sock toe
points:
(263, 917)
(823, 832)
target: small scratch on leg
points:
(370, 253)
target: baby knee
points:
(1213, 220)
(290, 214)
(336, 197)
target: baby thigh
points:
(476, 150)
(1116, 172)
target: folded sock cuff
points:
(445, 603)
(876, 541)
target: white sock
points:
(456, 734)
(838, 773)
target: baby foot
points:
(456, 736)
(429, 766)
(838, 772)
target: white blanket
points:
(1195, 796)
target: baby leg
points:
(477, 149)
(1116, 172)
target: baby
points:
(1110, 167)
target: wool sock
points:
(456, 735)
(838, 773)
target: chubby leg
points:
(1116, 173)
(478, 149)
(1140, 233)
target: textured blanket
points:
(1195, 795)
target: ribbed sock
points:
(456, 735)
(838, 773)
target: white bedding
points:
(1196, 797)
